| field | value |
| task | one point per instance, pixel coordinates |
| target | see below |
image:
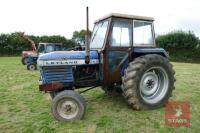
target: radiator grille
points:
(53, 74)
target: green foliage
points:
(12, 44)
(180, 44)
(79, 36)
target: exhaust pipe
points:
(87, 48)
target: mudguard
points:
(137, 52)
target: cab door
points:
(120, 42)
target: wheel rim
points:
(32, 67)
(154, 85)
(67, 108)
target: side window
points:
(142, 33)
(121, 33)
(49, 48)
(41, 48)
(58, 48)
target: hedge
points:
(12, 44)
(180, 44)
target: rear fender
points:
(137, 52)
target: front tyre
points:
(68, 105)
(148, 82)
(32, 67)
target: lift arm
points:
(21, 34)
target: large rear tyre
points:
(25, 60)
(148, 82)
(68, 105)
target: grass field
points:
(24, 109)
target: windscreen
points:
(50, 48)
(98, 34)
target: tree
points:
(180, 44)
(178, 40)
(67, 43)
(13, 44)
(79, 36)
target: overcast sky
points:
(62, 17)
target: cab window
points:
(99, 34)
(58, 47)
(121, 35)
(142, 33)
(50, 48)
(41, 48)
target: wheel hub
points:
(154, 84)
(32, 67)
(149, 83)
(67, 109)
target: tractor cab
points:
(49, 47)
(119, 30)
(116, 37)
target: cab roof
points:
(118, 15)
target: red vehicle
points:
(42, 48)
(25, 55)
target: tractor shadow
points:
(99, 106)
(100, 103)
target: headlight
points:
(40, 63)
(40, 82)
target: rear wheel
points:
(32, 67)
(148, 82)
(25, 60)
(68, 105)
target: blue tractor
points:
(122, 55)
(31, 59)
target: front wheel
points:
(32, 67)
(68, 105)
(148, 82)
